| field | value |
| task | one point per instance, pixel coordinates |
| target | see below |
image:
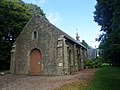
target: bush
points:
(93, 63)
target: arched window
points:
(34, 35)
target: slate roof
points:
(63, 33)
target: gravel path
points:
(24, 82)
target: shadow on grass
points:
(106, 78)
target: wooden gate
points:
(35, 62)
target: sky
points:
(72, 16)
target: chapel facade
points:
(43, 49)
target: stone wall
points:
(51, 42)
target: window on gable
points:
(34, 35)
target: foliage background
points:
(14, 14)
(107, 15)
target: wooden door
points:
(35, 62)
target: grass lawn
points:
(71, 86)
(106, 78)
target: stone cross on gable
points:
(36, 10)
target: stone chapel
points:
(43, 49)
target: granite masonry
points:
(43, 49)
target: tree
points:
(85, 44)
(107, 15)
(14, 14)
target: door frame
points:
(41, 65)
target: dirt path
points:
(24, 82)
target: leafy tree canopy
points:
(107, 15)
(14, 14)
(85, 44)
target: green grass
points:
(72, 86)
(106, 78)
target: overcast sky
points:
(69, 15)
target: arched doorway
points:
(35, 62)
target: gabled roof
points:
(62, 32)
(58, 30)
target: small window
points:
(34, 35)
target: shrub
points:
(93, 63)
